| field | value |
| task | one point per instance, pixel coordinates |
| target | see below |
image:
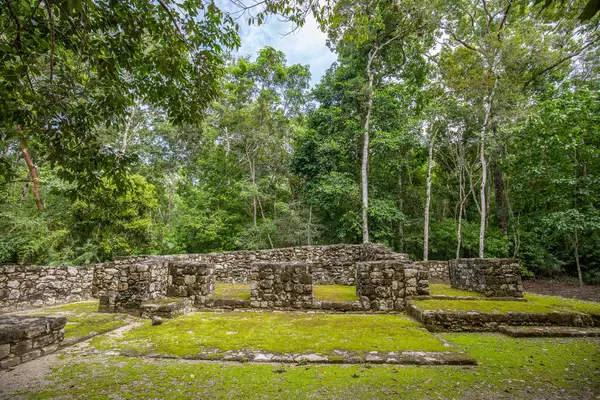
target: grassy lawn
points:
(535, 304)
(275, 332)
(237, 291)
(446, 290)
(508, 369)
(335, 293)
(83, 318)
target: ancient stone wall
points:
(191, 279)
(332, 264)
(493, 277)
(133, 284)
(23, 286)
(385, 285)
(24, 339)
(281, 284)
(436, 268)
(381, 285)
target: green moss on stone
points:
(508, 368)
(275, 332)
(534, 304)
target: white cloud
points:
(304, 46)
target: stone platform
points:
(24, 339)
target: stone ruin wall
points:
(141, 278)
(437, 269)
(493, 277)
(30, 286)
(24, 339)
(332, 264)
(277, 284)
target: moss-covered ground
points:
(534, 304)
(239, 291)
(335, 293)
(274, 332)
(508, 369)
(445, 290)
(83, 319)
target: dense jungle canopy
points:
(445, 129)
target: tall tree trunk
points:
(401, 209)
(427, 202)
(364, 169)
(33, 172)
(577, 259)
(500, 206)
(127, 129)
(462, 198)
(485, 128)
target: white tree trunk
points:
(462, 198)
(364, 170)
(427, 202)
(486, 124)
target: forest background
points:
(444, 129)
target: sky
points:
(305, 46)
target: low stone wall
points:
(281, 285)
(436, 268)
(381, 285)
(385, 285)
(135, 283)
(475, 321)
(24, 339)
(191, 279)
(332, 264)
(493, 277)
(26, 286)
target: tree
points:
(377, 33)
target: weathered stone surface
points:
(166, 308)
(281, 284)
(475, 321)
(157, 320)
(16, 333)
(332, 264)
(436, 269)
(493, 277)
(24, 286)
(384, 285)
(192, 279)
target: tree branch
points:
(562, 60)
(173, 20)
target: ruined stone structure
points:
(24, 339)
(387, 284)
(281, 284)
(436, 269)
(136, 283)
(493, 277)
(129, 284)
(23, 286)
(194, 280)
(332, 264)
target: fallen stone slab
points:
(25, 338)
(548, 331)
(335, 357)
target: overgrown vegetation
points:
(534, 304)
(467, 129)
(535, 368)
(274, 332)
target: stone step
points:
(548, 331)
